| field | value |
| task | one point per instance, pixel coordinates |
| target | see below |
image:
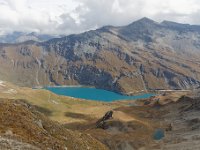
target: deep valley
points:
(142, 56)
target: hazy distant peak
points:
(18, 37)
(144, 20)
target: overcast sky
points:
(74, 16)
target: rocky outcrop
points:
(101, 123)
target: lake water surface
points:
(94, 94)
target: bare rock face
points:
(142, 56)
(101, 123)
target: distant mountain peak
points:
(18, 37)
(144, 21)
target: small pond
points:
(158, 134)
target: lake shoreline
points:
(92, 93)
(74, 86)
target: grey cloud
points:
(19, 15)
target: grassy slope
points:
(54, 106)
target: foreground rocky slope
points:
(133, 127)
(142, 56)
(22, 127)
(183, 117)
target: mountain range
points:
(19, 37)
(142, 56)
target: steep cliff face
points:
(139, 57)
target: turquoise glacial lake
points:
(94, 94)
